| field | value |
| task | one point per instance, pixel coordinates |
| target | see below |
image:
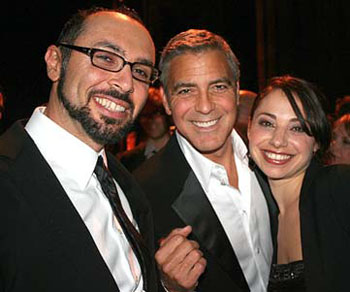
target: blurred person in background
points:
(342, 106)
(2, 108)
(155, 134)
(340, 145)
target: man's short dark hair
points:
(76, 25)
(154, 103)
(195, 41)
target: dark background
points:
(306, 38)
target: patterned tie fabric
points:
(106, 180)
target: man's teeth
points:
(205, 124)
(275, 156)
(110, 105)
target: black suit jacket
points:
(44, 243)
(177, 200)
(133, 158)
(325, 226)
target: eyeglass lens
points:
(113, 62)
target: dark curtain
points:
(309, 39)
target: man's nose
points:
(204, 103)
(123, 80)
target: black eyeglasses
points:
(114, 63)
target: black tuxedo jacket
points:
(177, 200)
(44, 243)
(325, 226)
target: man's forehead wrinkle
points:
(222, 79)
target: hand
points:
(180, 261)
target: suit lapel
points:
(70, 242)
(193, 207)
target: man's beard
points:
(109, 131)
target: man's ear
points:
(165, 101)
(53, 59)
(237, 92)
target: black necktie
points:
(106, 180)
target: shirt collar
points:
(150, 149)
(204, 167)
(239, 147)
(69, 157)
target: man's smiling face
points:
(202, 98)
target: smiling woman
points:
(308, 202)
(279, 144)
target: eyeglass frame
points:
(91, 51)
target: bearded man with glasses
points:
(71, 217)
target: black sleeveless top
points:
(287, 277)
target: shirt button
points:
(257, 250)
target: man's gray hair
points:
(195, 41)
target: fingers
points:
(180, 261)
(178, 251)
(185, 231)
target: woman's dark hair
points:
(314, 104)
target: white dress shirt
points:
(73, 162)
(242, 212)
